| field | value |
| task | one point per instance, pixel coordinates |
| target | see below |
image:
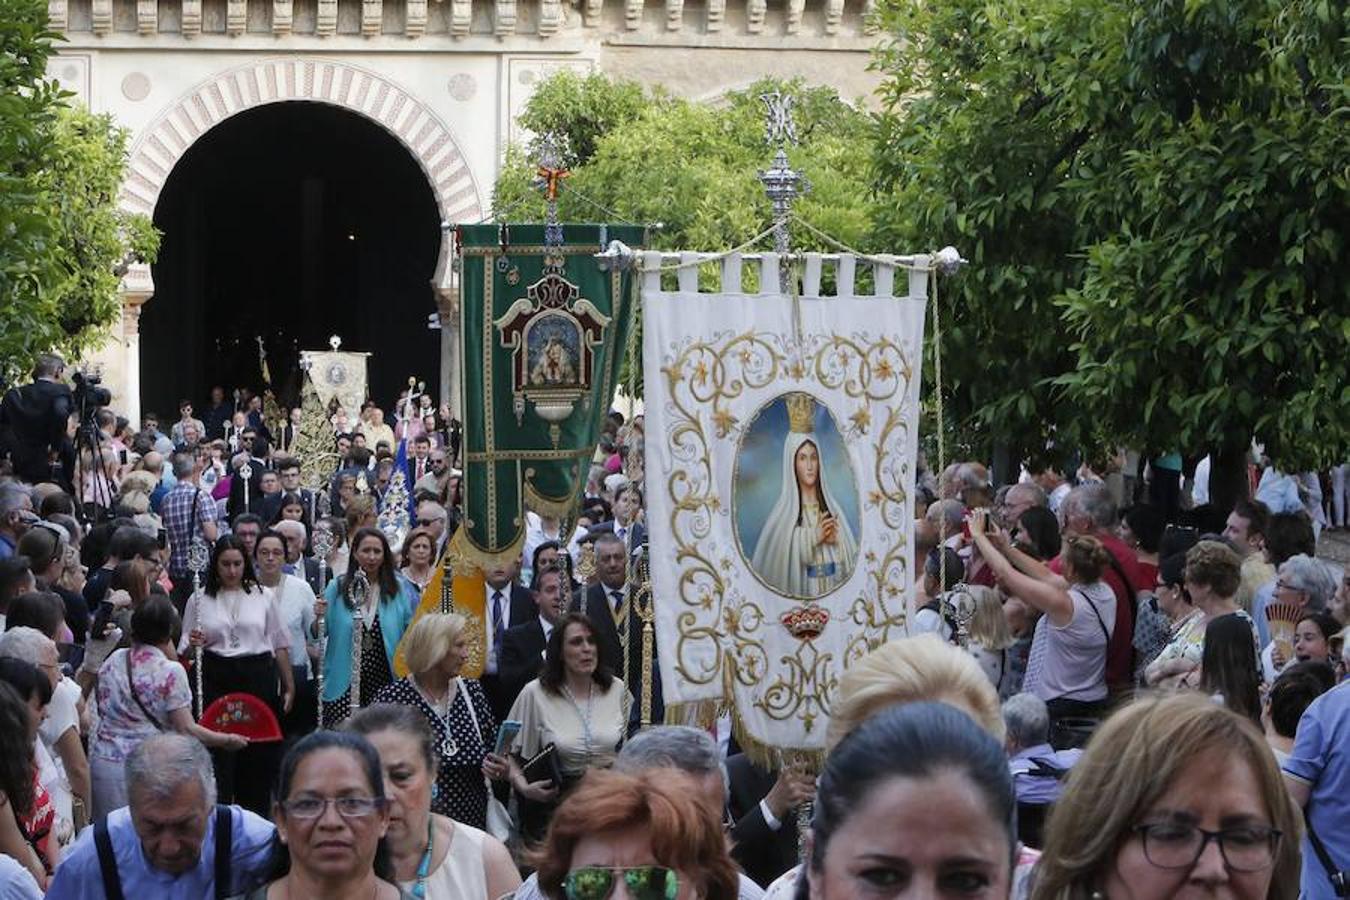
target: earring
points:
(435, 791)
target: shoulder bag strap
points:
(1337, 877)
(1092, 606)
(473, 715)
(107, 860)
(224, 849)
(131, 686)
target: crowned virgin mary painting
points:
(796, 503)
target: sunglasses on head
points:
(642, 882)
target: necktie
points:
(623, 535)
(498, 619)
(421, 470)
(618, 599)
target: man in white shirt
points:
(508, 604)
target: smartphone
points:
(102, 616)
(506, 734)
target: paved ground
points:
(1335, 546)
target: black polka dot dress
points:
(375, 676)
(461, 792)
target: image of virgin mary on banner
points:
(781, 437)
(542, 330)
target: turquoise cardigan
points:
(396, 613)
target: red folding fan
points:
(242, 714)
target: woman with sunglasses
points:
(434, 857)
(1198, 807)
(650, 831)
(331, 816)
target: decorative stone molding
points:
(147, 16)
(590, 13)
(461, 17)
(550, 17)
(754, 15)
(192, 18)
(415, 18)
(325, 18)
(101, 16)
(795, 8)
(715, 13)
(58, 14)
(372, 17)
(283, 16)
(504, 17)
(674, 15)
(135, 288)
(632, 14)
(834, 14)
(236, 16)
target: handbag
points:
(499, 823)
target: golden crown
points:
(801, 410)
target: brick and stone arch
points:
(289, 79)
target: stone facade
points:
(446, 77)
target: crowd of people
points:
(1062, 651)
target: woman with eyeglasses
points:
(331, 815)
(1197, 808)
(1179, 659)
(45, 546)
(434, 857)
(649, 832)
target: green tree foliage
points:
(1154, 199)
(691, 166)
(648, 157)
(63, 241)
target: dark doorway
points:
(290, 222)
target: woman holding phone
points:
(457, 712)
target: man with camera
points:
(34, 425)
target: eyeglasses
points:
(642, 882)
(1171, 846)
(347, 807)
(427, 523)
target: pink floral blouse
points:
(162, 686)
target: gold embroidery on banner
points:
(701, 377)
(534, 250)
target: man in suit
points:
(523, 645)
(508, 604)
(257, 464)
(419, 459)
(288, 470)
(625, 525)
(617, 623)
(763, 804)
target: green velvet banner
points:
(541, 339)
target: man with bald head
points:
(172, 842)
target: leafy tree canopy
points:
(63, 241)
(1154, 199)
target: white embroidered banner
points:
(341, 375)
(780, 449)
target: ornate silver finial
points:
(779, 125)
(322, 544)
(782, 183)
(198, 557)
(335, 342)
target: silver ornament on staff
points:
(359, 590)
(246, 473)
(198, 559)
(958, 605)
(322, 545)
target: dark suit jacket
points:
(523, 610)
(763, 853)
(521, 655)
(271, 505)
(599, 609)
(311, 575)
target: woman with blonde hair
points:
(436, 647)
(923, 667)
(990, 638)
(1181, 773)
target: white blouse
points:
(546, 718)
(236, 623)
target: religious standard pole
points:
(782, 183)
